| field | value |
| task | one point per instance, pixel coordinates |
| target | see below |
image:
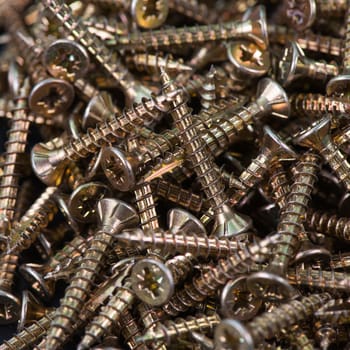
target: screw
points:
(180, 242)
(335, 282)
(233, 334)
(270, 283)
(330, 9)
(294, 65)
(49, 162)
(307, 41)
(227, 223)
(299, 339)
(40, 277)
(170, 330)
(279, 184)
(133, 89)
(211, 280)
(198, 35)
(151, 63)
(108, 316)
(272, 148)
(130, 331)
(316, 105)
(208, 91)
(113, 215)
(317, 137)
(334, 312)
(149, 14)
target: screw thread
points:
(117, 128)
(36, 218)
(29, 335)
(86, 90)
(107, 317)
(323, 71)
(150, 319)
(271, 323)
(181, 327)
(178, 195)
(337, 282)
(337, 162)
(300, 339)
(334, 312)
(328, 224)
(342, 137)
(15, 145)
(315, 105)
(170, 243)
(208, 90)
(78, 290)
(195, 148)
(111, 26)
(346, 53)
(210, 281)
(146, 207)
(8, 265)
(180, 267)
(180, 36)
(279, 184)
(308, 41)
(291, 217)
(130, 331)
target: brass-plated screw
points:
(149, 14)
(279, 184)
(49, 162)
(234, 335)
(180, 328)
(113, 216)
(272, 148)
(227, 222)
(179, 242)
(250, 29)
(134, 90)
(294, 65)
(317, 137)
(271, 282)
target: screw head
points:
(82, 202)
(338, 85)
(49, 162)
(300, 14)
(9, 308)
(311, 255)
(232, 334)
(115, 215)
(66, 59)
(149, 14)
(51, 97)
(237, 302)
(99, 109)
(270, 286)
(34, 275)
(152, 282)
(272, 98)
(315, 135)
(248, 59)
(181, 220)
(118, 168)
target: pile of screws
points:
(175, 174)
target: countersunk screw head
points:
(237, 302)
(231, 334)
(338, 85)
(9, 307)
(51, 97)
(149, 14)
(152, 282)
(300, 14)
(273, 98)
(119, 169)
(66, 59)
(181, 220)
(82, 202)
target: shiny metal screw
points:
(271, 284)
(317, 137)
(294, 65)
(233, 334)
(149, 14)
(113, 216)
